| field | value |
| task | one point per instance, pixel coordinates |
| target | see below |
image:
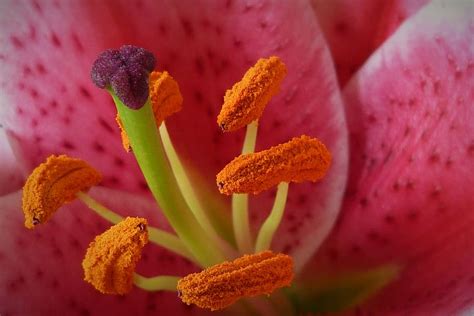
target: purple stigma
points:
(126, 71)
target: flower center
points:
(110, 261)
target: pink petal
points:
(410, 196)
(42, 273)
(11, 176)
(52, 105)
(467, 312)
(206, 47)
(354, 29)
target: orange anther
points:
(54, 183)
(123, 134)
(111, 258)
(301, 159)
(248, 98)
(221, 285)
(165, 96)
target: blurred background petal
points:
(410, 198)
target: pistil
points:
(124, 73)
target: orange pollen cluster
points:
(125, 141)
(54, 183)
(165, 97)
(111, 258)
(247, 99)
(221, 285)
(301, 159)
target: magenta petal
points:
(354, 29)
(41, 269)
(410, 194)
(206, 47)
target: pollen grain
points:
(301, 159)
(54, 183)
(221, 285)
(111, 258)
(248, 98)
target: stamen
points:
(166, 99)
(158, 283)
(156, 236)
(301, 159)
(126, 71)
(53, 184)
(111, 258)
(247, 99)
(251, 275)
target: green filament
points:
(240, 216)
(250, 138)
(142, 132)
(99, 209)
(273, 220)
(157, 236)
(240, 220)
(158, 283)
(189, 193)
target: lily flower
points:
(387, 231)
